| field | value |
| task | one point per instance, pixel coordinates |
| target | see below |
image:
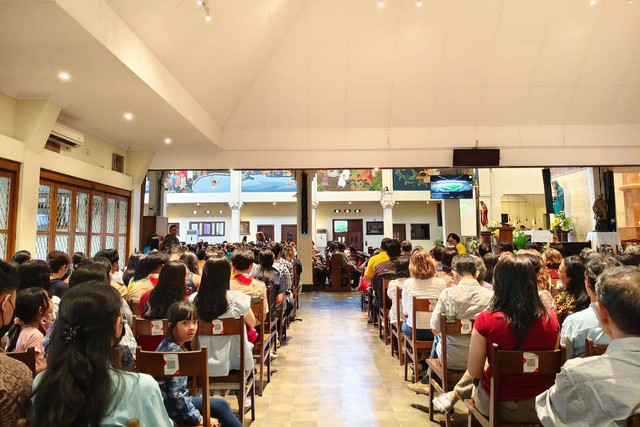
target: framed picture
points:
(244, 228)
(375, 228)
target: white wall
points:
(496, 182)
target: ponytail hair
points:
(76, 389)
(28, 305)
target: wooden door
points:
(268, 231)
(289, 233)
(400, 232)
(354, 239)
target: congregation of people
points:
(79, 316)
(537, 299)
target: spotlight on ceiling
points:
(381, 3)
(64, 76)
(167, 140)
(128, 116)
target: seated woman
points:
(552, 259)
(80, 386)
(402, 273)
(542, 277)
(516, 320)
(170, 288)
(421, 283)
(36, 273)
(213, 301)
(267, 274)
(182, 325)
(573, 297)
(454, 240)
(446, 273)
(33, 307)
(191, 261)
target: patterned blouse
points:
(15, 388)
(565, 305)
(175, 393)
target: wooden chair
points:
(27, 357)
(194, 364)
(510, 362)
(148, 329)
(135, 307)
(134, 422)
(592, 349)
(282, 320)
(397, 337)
(633, 421)
(262, 346)
(296, 289)
(242, 380)
(414, 347)
(338, 276)
(441, 378)
(383, 314)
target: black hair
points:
(211, 300)
(535, 246)
(464, 264)
(406, 246)
(178, 312)
(191, 261)
(130, 270)
(34, 274)
(483, 249)
(8, 277)
(154, 260)
(618, 290)
(28, 304)
(438, 250)
(201, 254)
(535, 261)
(154, 244)
(110, 254)
(77, 258)
(558, 247)
(629, 258)
(596, 266)
(242, 259)
(150, 237)
(21, 256)
(89, 271)
(454, 236)
(402, 267)
(103, 262)
(506, 247)
(342, 246)
(516, 294)
(169, 289)
(447, 258)
(575, 271)
(57, 260)
(266, 272)
(383, 244)
(393, 248)
(173, 226)
(276, 248)
(78, 363)
(586, 254)
(490, 260)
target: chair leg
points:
(253, 399)
(268, 364)
(432, 391)
(241, 395)
(406, 368)
(261, 375)
(415, 366)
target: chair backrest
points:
(134, 422)
(421, 304)
(456, 328)
(27, 357)
(336, 262)
(223, 327)
(633, 421)
(261, 325)
(517, 362)
(592, 349)
(193, 364)
(398, 303)
(135, 307)
(148, 328)
(385, 287)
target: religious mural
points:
(190, 181)
(412, 179)
(349, 180)
(263, 181)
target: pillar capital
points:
(315, 204)
(236, 205)
(387, 202)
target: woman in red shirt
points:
(516, 320)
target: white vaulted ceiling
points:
(340, 74)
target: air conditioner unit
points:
(66, 136)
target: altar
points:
(599, 238)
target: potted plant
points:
(438, 242)
(520, 239)
(561, 226)
(493, 226)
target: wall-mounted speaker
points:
(548, 195)
(304, 209)
(476, 157)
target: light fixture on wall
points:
(220, 211)
(347, 211)
(274, 203)
(336, 211)
(349, 202)
(195, 212)
(207, 12)
(64, 76)
(167, 140)
(208, 212)
(128, 116)
(380, 3)
(357, 211)
(419, 3)
(198, 204)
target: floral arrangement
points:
(520, 239)
(561, 222)
(474, 244)
(438, 242)
(493, 226)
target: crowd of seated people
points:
(534, 299)
(71, 310)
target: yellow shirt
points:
(373, 261)
(461, 249)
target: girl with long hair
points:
(81, 387)
(516, 320)
(191, 261)
(33, 307)
(130, 270)
(271, 278)
(170, 288)
(542, 276)
(573, 296)
(215, 300)
(182, 325)
(446, 259)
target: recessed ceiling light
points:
(220, 211)
(419, 3)
(195, 212)
(207, 18)
(167, 140)
(593, 3)
(380, 3)
(128, 116)
(64, 76)
(199, 2)
(208, 212)
(274, 203)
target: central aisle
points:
(335, 371)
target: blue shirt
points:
(175, 393)
(579, 326)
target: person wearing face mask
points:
(15, 376)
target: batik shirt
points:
(285, 274)
(175, 393)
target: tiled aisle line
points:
(335, 371)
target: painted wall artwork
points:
(198, 182)
(412, 179)
(264, 181)
(349, 180)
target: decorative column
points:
(450, 218)
(236, 207)
(387, 203)
(314, 230)
(304, 183)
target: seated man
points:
(152, 265)
(348, 264)
(464, 301)
(577, 327)
(602, 390)
(385, 270)
(242, 261)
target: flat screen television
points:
(451, 186)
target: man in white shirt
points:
(584, 324)
(602, 390)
